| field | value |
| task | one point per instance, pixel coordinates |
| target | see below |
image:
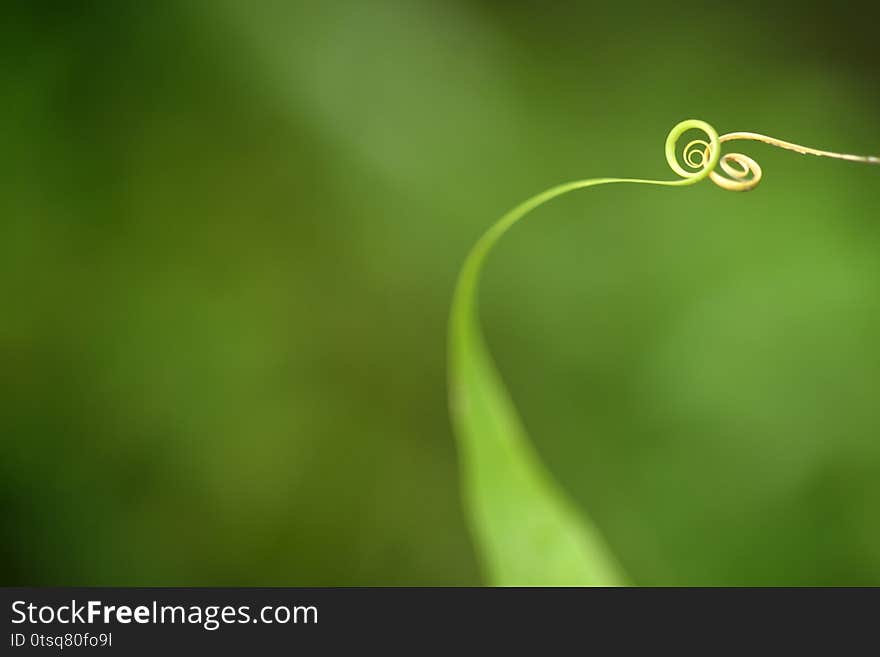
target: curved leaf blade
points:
(526, 529)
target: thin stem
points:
(797, 148)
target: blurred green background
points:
(229, 238)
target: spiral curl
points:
(739, 173)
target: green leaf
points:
(526, 529)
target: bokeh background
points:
(229, 237)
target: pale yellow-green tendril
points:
(743, 173)
(526, 528)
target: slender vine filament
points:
(797, 148)
(740, 173)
